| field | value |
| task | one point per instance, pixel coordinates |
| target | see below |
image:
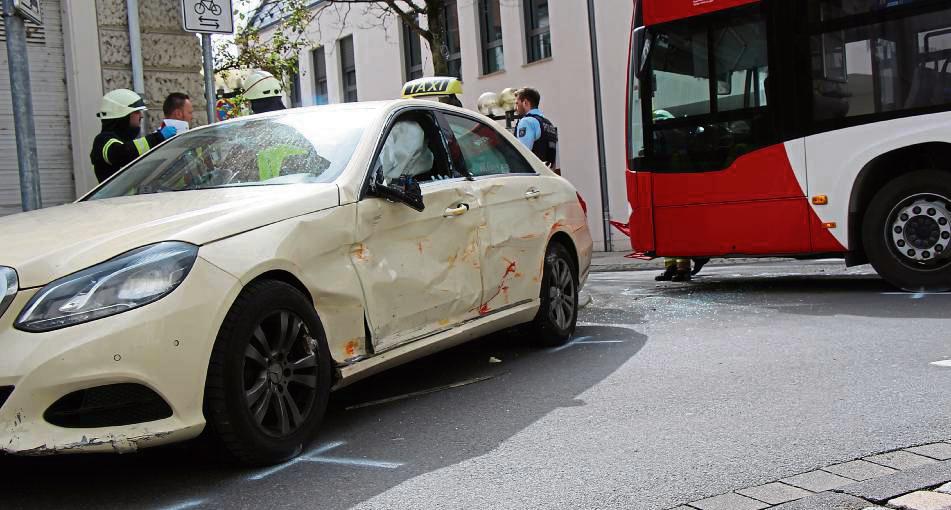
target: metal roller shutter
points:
(50, 106)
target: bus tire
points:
(907, 232)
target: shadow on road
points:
(416, 435)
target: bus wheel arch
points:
(877, 174)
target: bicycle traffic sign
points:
(208, 16)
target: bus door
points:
(723, 183)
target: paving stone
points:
(946, 488)
(817, 481)
(923, 500)
(884, 488)
(826, 501)
(900, 460)
(939, 451)
(775, 493)
(729, 501)
(860, 470)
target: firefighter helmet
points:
(120, 103)
(261, 84)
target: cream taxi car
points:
(233, 276)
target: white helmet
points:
(120, 103)
(489, 105)
(261, 84)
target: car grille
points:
(108, 406)
(5, 392)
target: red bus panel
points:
(662, 11)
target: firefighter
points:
(534, 130)
(676, 269)
(264, 92)
(116, 145)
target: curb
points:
(897, 479)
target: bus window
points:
(681, 74)
(742, 66)
(880, 68)
(827, 10)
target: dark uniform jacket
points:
(116, 147)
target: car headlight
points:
(8, 287)
(131, 280)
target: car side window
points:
(485, 151)
(414, 149)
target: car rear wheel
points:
(907, 232)
(556, 319)
(270, 375)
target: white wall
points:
(565, 80)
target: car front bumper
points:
(164, 346)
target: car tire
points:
(269, 376)
(907, 232)
(558, 315)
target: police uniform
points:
(116, 145)
(538, 134)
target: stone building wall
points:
(171, 57)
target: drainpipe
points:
(599, 128)
(135, 49)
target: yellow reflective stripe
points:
(141, 145)
(105, 149)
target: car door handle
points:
(457, 211)
(533, 193)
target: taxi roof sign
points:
(432, 87)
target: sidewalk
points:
(917, 478)
(603, 262)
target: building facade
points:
(80, 51)
(493, 44)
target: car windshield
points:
(302, 147)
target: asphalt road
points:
(670, 393)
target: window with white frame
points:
(490, 25)
(348, 70)
(321, 92)
(537, 30)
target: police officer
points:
(534, 130)
(116, 145)
(263, 91)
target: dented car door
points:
(518, 213)
(420, 270)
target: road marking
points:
(316, 456)
(916, 295)
(419, 393)
(602, 342)
(944, 363)
(186, 505)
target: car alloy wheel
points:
(280, 373)
(561, 293)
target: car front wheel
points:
(270, 375)
(556, 319)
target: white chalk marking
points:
(944, 363)
(186, 505)
(419, 393)
(918, 295)
(569, 344)
(602, 342)
(281, 467)
(355, 462)
(602, 325)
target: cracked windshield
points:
(289, 149)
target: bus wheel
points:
(907, 232)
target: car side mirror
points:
(404, 189)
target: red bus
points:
(801, 128)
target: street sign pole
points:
(21, 93)
(209, 64)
